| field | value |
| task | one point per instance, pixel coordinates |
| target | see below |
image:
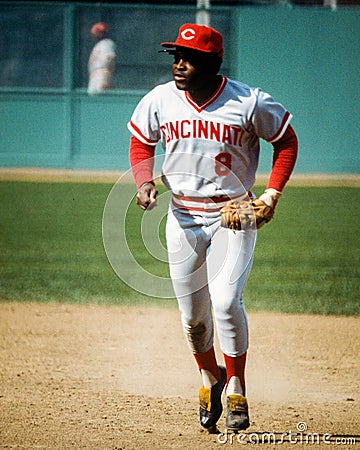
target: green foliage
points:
(306, 259)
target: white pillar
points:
(330, 4)
(203, 12)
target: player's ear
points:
(217, 64)
(214, 63)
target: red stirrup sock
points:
(207, 361)
(235, 367)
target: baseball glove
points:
(242, 215)
(237, 215)
(262, 211)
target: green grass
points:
(306, 259)
(51, 245)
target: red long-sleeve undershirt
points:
(141, 161)
(284, 158)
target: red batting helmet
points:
(198, 37)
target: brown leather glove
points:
(237, 215)
(263, 212)
(242, 214)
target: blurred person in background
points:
(102, 60)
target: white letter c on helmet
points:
(188, 34)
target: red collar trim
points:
(210, 100)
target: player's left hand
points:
(146, 196)
(264, 206)
(242, 215)
(263, 212)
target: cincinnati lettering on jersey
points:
(202, 129)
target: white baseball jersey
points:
(209, 147)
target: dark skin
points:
(195, 72)
(146, 196)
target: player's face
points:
(190, 70)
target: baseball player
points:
(209, 127)
(102, 60)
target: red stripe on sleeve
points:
(135, 130)
(284, 159)
(286, 119)
(141, 161)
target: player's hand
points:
(146, 196)
(270, 197)
(264, 206)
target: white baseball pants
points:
(209, 266)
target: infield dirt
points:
(110, 378)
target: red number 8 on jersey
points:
(222, 164)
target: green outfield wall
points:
(307, 58)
